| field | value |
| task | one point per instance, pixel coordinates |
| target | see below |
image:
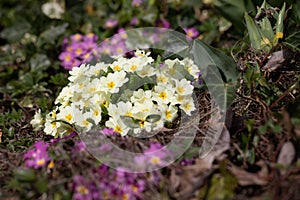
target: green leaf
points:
(222, 187)
(15, 32)
(153, 118)
(39, 62)
(25, 175)
(279, 26)
(226, 8)
(218, 71)
(254, 32)
(130, 122)
(266, 28)
(177, 45)
(53, 33)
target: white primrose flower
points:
(113, 111)
(134, 64)
(37, 122)
(141, 95)
(188, 106)
(163, 93)
(96, 69)
(117, 125)
(117, 65)
(97, 100)
(168, 112)
(146, 106)
(51, 127)
(125, 109)
(113, 81)
(183, 87)
(161, 78)
(92, 88)
(66, 114)
(53, 10)
(190, 66)
(83, 120)
(78, 74)
(65, 95)
(146, 71)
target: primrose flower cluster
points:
(127, 95)
(77, 49)
(107, 184)
(37, 157)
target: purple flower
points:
(108, 131)
(83, 189)
(77, 49)
(186, 162)
(191, 32)
(66, 57)
(134, 21)
(37, 157)
(79, 146)
(90, 37)
(110, 23)
(154, 155)
(162, 23)
(76, 37)
(136, 2)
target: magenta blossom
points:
(191, 32)
(134, 21)
(37, 157)
(136, 2)
(110, 23)
(154, 155)
(77, 49)
(162, 23)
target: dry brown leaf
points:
(184, 181)
(277, 59)
(246, 178)
(287, 154)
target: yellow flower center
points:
(180, 89)
(187, 106)
(111, 85)
(92, 89)
(133, 67)
(128, 114)
(40, 162)
(168, 114)
(155, 160)
(96, 113)
(67, 58)
(163, 95)
(118, 129)
(142, 123)
(85, 123)
(53, 125)
(117, 68)
(82, 190)
(68, 117)
(78, 51)
(135, 189)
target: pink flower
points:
(37, 157)
(134, 21)
(162, 24)
(191, 32)
(110, 23)
(136, 2)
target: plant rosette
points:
(128, 95)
